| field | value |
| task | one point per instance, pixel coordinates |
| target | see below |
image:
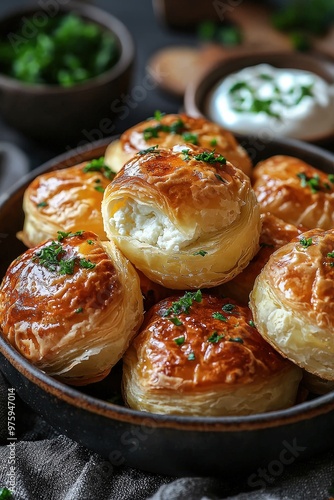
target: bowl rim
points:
(302, 411)
(95, 15)
(198, 89)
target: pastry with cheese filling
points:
(185, 217)
(197, 354)
(168, 130)
(71, 306)
(293, 302)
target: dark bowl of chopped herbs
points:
(62, 69)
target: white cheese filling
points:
(150, 226)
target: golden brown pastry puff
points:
(71, 306)
(201, 355)
(169, 130)
(293, 302)
(65, 200)
(183, 216)
(295, 191)
(274, 234)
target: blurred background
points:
(175, 42)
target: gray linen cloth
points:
(49, 466)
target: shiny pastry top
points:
(174, 212)
(168, 130)
(204, 345)
(65, 200)
(293, 301)
(71, 306)
(295, 191)
(302, 273)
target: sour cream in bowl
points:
(294, 102)
(286, 94)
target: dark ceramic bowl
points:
(198, 92)
(171, 445)
(59, 114)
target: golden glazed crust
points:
(205, 365)
(295, 191)
(293, 302)
(73, 326)
(177, 129)
(184, 222)
(63, 200)
(274, 234)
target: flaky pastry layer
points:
(207, 360)
(293, 301)
(183, 221)
(174, 129)
(71, 307)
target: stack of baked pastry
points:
(209, 280)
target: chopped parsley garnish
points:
(184, 303)
(86, 264)
(228, 307)
(175, 128)
(306, 242)
(313, 182)
(100, 189)
(158, 115)
(152, 149)
(186, 156)
(220, 316)
(213, 142)
(63, 234)
(90, 242)
(179, 340)
(247, 98)
(266, 76)
(98, 165)
(251, 323)
(236, 339)
(200, 252)
(191, 356)
(42, 204)
(5, 494)
(210, 157)
(215, 337)
(331, 256)
(189, 137)
(79, 310)
(331, 178)
(50, 257)
(176, 321)
(66, 266)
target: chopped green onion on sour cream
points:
(288, 102)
